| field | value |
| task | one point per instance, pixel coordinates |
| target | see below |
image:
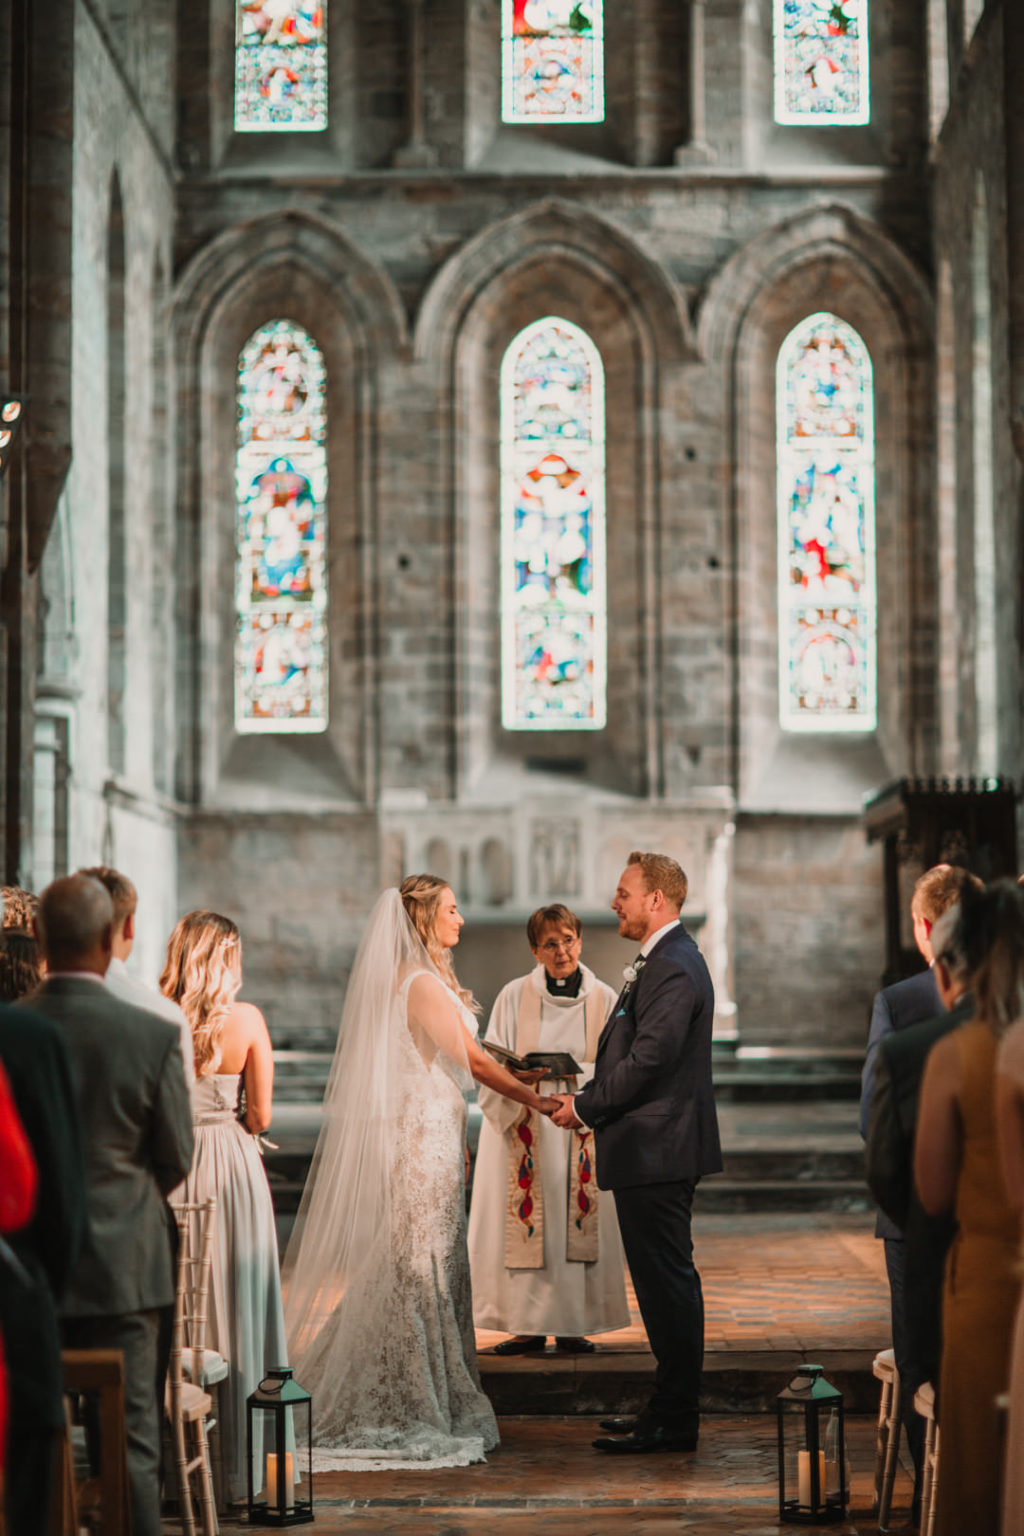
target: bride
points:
(377, 1294)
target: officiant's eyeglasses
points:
(552, 946)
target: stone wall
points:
(122, 210)
(979, 471)
(687, 243)
(686, 269)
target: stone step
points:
(742, 1086)
(723, 1195)
(605, 1383)
(748, 1071)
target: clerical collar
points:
(570, 987)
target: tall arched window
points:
(821, 62)
(552, 62)
(281, 592)
(552, 530)
(826, 528)
(280, 66)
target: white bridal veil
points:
(343, 1232)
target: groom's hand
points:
(564, 1117)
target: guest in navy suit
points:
(896, 1008)
(652, 1109)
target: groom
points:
(651, 1106)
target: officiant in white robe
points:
(544, 1247)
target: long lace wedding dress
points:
(378, 1299)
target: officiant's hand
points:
(563, 1116)
(531, 1078)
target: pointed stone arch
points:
(560, 232)
(834, 233)
(553, 259)
(831, 259)
(245, 255)
(301, 268)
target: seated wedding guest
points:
(137, 1133)
(21, 964)
(536, 1271)
(234, 1069)
(19, 907)
(896, 1008)
(956, 1164)
(36, 1061)
(1010, 1131)
(119, 979)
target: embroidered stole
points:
(524, 1212)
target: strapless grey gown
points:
(246, 1317)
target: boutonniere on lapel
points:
(631, 972)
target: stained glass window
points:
(552, 531)
(552, 61)
(281, 479)
(821, 61)
(826, 529)
(280, 66)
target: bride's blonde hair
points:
(421, 897)
(203, 973)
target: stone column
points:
(1013, 67)
(696, 151)
(415, 153)
(717, 938)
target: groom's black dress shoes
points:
(622, 1424)
(646, 1437)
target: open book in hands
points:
(553, 1063)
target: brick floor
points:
(812, 1281)
(547, 1478)
(804, 1284)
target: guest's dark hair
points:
(75, 917)
(21, 964)
(985, 948)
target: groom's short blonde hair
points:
(660, 873)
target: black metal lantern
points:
(812, 1450)
(279, 1435)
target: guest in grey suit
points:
(656, 1133)
(137, 1134)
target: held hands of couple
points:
(562, 1114)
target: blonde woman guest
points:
(957, 1166)
(231, 1104)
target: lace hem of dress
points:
(456, 1453)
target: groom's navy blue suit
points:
(652, 1109)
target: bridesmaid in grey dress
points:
(231, 1106)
